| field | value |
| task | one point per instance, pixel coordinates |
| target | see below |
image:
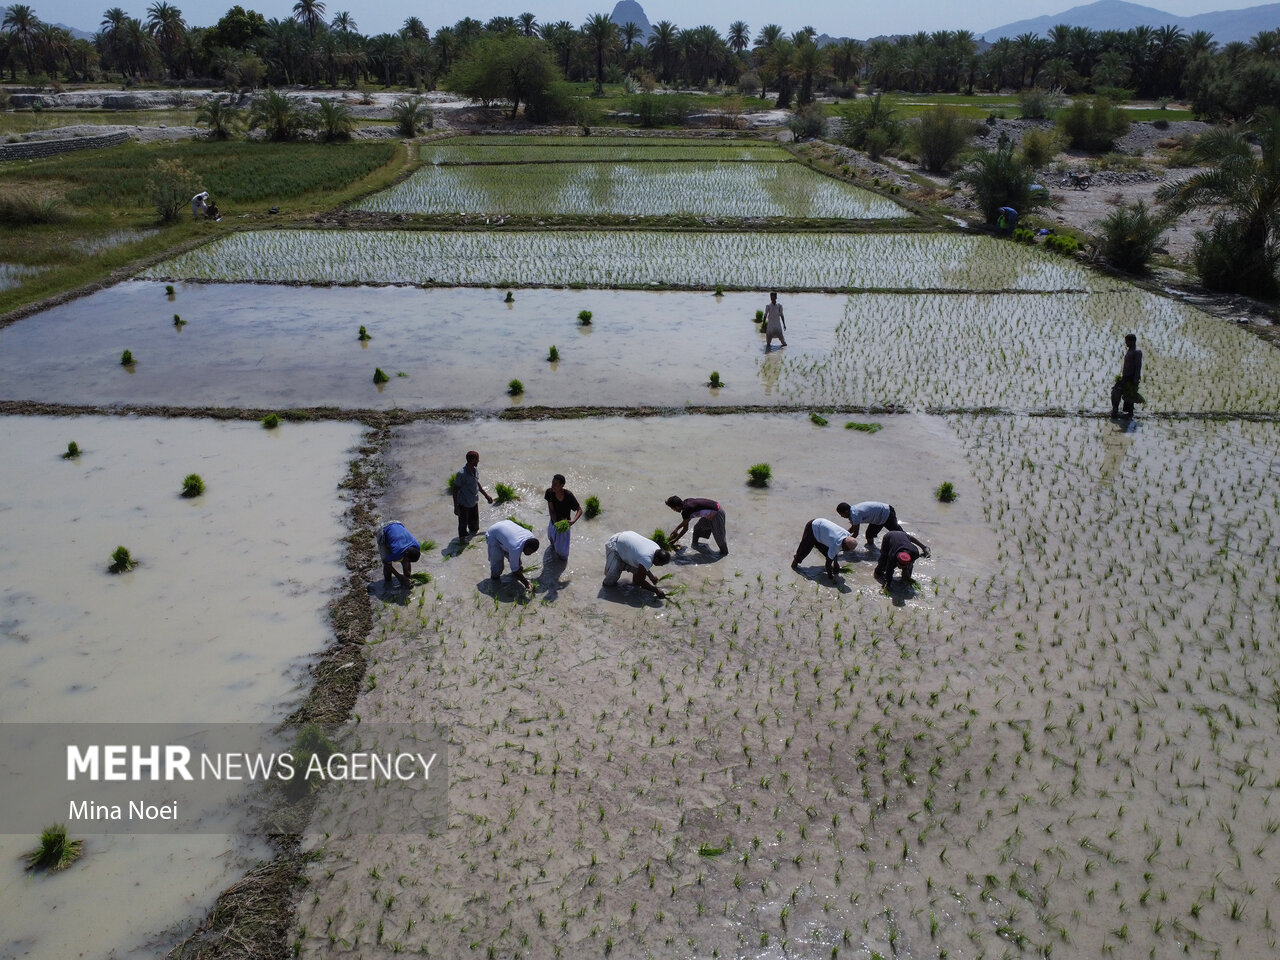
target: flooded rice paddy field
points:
(745, 261)
(1058, 742)
(633, 189)
(253, 345)
(467, 150)
(216, 623)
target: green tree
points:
(21, 23)
(171, 187)
(410, 115)
(1129, 235)
(601, 34)
(1093, 126)
(870, 125)
(1243, 249)
(942, 132)
(1000, 178)
(166, 25)
(334, 120)
(513, 68)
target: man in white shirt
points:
(774, 322)
(874, 514)
(830, 537)
(629, 552)
(510, 542)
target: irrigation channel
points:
(1057, 740)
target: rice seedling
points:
(169, 291)
(518, 522)
(946, 492)
(192, 485)
(270, 421)
(591, 507)
(864, 427)
(126, 358)
(584, 318)
(55, 852)
(714, 381)
(178, 321)
(509, 298)
(504, 493)
(719, 290)
(562, 526)
(515, 388)
(121, 560)
(380, 376)
(72, 451)
(818, 419)
(451, 485)
(553, 355)
(363, 335)
(659, 537)
(759, 474)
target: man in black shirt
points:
(898, 549)
(1126, 385)
(709, 516)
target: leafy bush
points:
(192, 485)
(219, 116)
(808, 123)
(591, 507)
(1038, 104)
(870, 125)
(171, 186)
(334, 121)
(1129, 236)
(1114, 94)
(505, 493)
(279, 114)
(1038, 147)
(946, 492)
(1093, 126)
(411, 114)
(940, 135)
(759, 474)
(998, 179)
(1225, 260)
(22, 208)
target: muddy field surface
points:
(218, 622)
(258, 346)
(1056, 741)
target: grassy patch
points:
(55, 852)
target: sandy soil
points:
(1054, 741)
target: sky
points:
(859, 19)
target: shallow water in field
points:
(283, 347)
(216, 623)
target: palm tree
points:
(137, 47)
(410, 114)
(335, 121)
(343, 22)
(769, 34)
(663, 44)
(219, 117)
(169, 29)
(999, 178)
(21, 23)
(561, 36)
(528, 25)
(602, 35)
(739, 37)
(278, 114)
(309, 13)
(1246, 191)
(846, 59)
(809, 63)
(413, 29)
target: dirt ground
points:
(1055, 741)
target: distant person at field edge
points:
(874, 514)
(1006, 219)
(466, 497)
(775, 322)
(830, 537)
(560, 504)
(1126, 385)
(709, 517)
(629, 552)
(211, 212)
(510, 543)
(898, 549)
(198, 204)
(397, 545)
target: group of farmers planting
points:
(509, 542)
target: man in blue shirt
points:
(397, 544)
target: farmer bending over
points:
(629, 552)
(710, 521)
(397, 544)
(510, 543)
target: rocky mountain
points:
(628, 11)
(1225, 25)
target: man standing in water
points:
(466, 497)
(775, 324)
(1126, 385)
